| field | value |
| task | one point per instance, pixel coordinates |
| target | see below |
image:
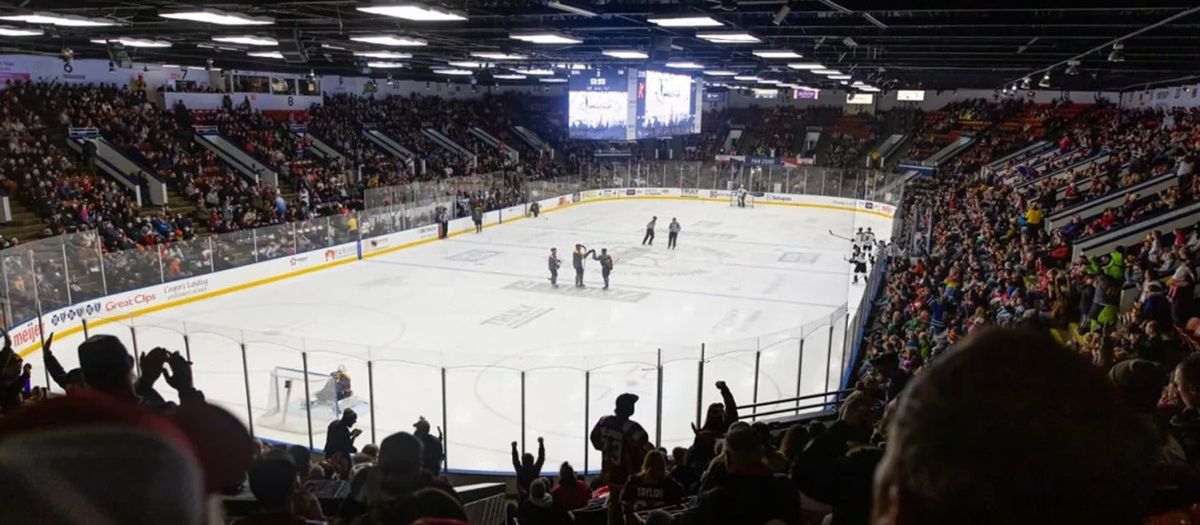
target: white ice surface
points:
(481, 307)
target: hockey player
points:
(577, 258)
(859, 261)
(673, 233)
(741, 196)
(555, 263)
(649, 238)
(606, 264)
(869, 240)
(860, 240)
(535, 208)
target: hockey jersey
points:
(623, 445)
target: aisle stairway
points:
(25, 226)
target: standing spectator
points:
(431, 447)
(539, 509)
(339, 437)
(283, 500)
(1032, 406)
(528, 469)
(651, 488)
(571, 492)
(623, 444)
(750, 493)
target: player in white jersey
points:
(860, 240)
(869, 237)
(859, 261)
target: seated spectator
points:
(651, 488)
(837, 466)
(396, 475)
(429, 507)
(538, 507)
(964, 454)
(682, 472)
(571, 492)
(282, 499)
(750, 493)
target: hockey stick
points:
(839, 236)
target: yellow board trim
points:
(26, 351)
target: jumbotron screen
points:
(667, 104)
(598, 105)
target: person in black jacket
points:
(339, 437)
(431, 446)
(750, 494)
(528, 469)
(538, 507)
(837, 466)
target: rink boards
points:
(69, 321)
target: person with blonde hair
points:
(650, 488)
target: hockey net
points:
(286, 401)
(733, 200)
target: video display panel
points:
(598, 105)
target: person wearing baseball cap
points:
(623, 444)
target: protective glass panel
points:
(484, 408)
(217, 368)
(554, 399)
(404, 392)
(183, 259)
(132, 269)
(635, 375)
(233, 249)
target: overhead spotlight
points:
(1014, 87)
(1045, 82)
(781, 14)
(1118, 52)
(312, 74)
(1025, 83)
(1072, 67)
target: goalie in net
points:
(328, 396)
(740, 198)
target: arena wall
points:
(65, 322)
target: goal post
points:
(286, 401)
(733, 200)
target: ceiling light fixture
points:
(625, 53)
(16, 31)
(249, 40)
(839, 77)
(386, 65)
(553, 80)
(685, 21)
(729, 37)
(265, 54)
(776, 53)
(806, 65)
(131, 42)
(544, 38)
(555, 4)
(413, 11)
(684, 65)
(746, 78)
(513, 76)
(170, 66)
(454, 72)
(389, 40)
(719, 73)
(537, 72)
(1072, 67)
(466, 64)
(1118, 52)
(59, 20)
(1045, 81)
(216, 16)
(383, 54)
(826, 72)
(1025, 83)
(496, 55)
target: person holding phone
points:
(340, 437)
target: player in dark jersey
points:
(606, 264)
(554, 263)
(623, 445)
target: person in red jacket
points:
(571, 492)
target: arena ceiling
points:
(936, 44)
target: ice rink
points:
(477, 313)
